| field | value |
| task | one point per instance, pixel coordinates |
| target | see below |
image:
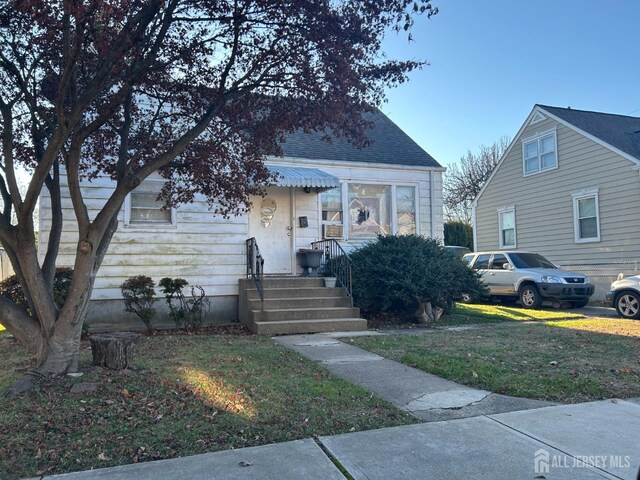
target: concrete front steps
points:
(297, 305)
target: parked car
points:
(457, 251)
(529, 278)
(624, 296)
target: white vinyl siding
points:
(507, 223)
(586, 218)
(208, 250)
(540, 153)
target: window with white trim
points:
(507, 226)
(540, 154)
(332, 224)
(144, 208)
(586, 216)
(364, 210)
(406, 210)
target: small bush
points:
(410, 274)
(139, 296)
(11, 288)
(186, 313)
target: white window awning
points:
(303, 177)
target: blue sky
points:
(492, 60)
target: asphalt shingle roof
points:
(619, 131)
(389, 145)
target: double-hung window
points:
(586, 216)
(507, 226)
(144, 208)
(332, 213)
(540, 153)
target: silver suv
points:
(529, 278)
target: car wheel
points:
(530, 297)
(579, 303)
(628, 305)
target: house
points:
(324, 191)
(567, 187)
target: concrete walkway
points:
(425, 396)
(501, 438)
(593, 440)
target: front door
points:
(270, 223)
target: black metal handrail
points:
(336, 263)
(255, 267)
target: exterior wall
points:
(428, 195)
(544, 205)
(208, 250)
(202, 248)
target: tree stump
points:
(113, 350)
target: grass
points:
(477, 313)
(563, 361)
(465, 314)
(188, 395)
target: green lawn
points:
(564, 361)
(188, 395)
(478, 313)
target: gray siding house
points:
(567, 187)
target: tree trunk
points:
(113, 350)
(428, 315)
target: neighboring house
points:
(567, 187)
(324, 191)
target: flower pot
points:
(330, 282)
(309, 260)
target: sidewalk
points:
(483, 435)
(425, 396)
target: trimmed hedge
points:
(400, 273)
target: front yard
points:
(559, 360)
(189, 394)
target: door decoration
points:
(267, 209)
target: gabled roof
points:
(389, 145)
(619, 131)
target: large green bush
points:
(10, 288)
(407, 273)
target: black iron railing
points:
(335, 263)
(255, 267)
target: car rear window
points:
(530, 260)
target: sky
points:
(491, 61)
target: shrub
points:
(10, 287)
(186, 313)
(139, 296)
(403, 274)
